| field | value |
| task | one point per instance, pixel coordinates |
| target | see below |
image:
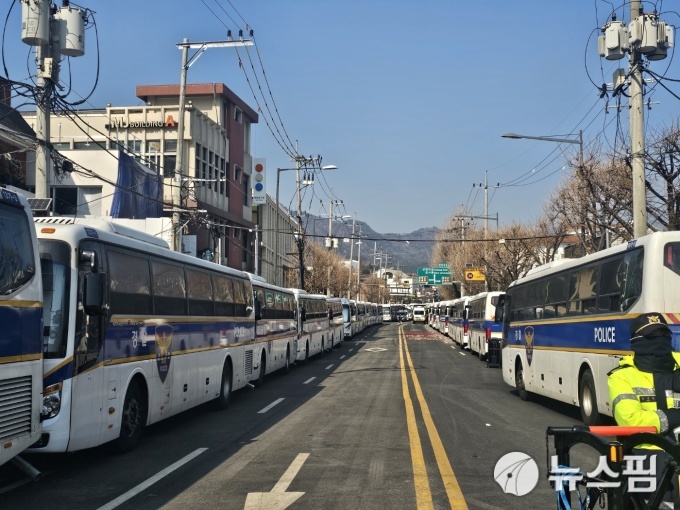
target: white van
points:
(418, 314)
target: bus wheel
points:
(222, 402)
(306, 360)
(263, 370)
(519, 382)
(587, 398)
(133, 419)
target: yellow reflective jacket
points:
(631, 393)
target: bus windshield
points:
(54, 262)
(16, 254)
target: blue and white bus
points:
(347, 317)
(458, 322)
(21, 339)
(566, 324)
(482, 324)
(314, 331)
(337, 323)
(135, 333)
(386, 313)
(444, 316)
(275, 327)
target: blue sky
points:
(408, 98)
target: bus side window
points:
(631, 286)
(609, 295)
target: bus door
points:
(90, 418)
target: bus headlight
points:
(51, 401)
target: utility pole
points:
(179, 166)
(637, 135)
(330, 222)
(53, 32)
(42, 121)
(359, 266)
(351, 258)
(257, 250)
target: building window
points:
(237, 173)
(223, 177)
(135, 146)
(77, 201)
(90, 145)
(170, 146)
(169, 165)
(238, 115)
(153, 154)
(245, 245)
(246, 189)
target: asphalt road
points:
(367, 426)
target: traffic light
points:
(259, 191)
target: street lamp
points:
(578, 140)
(299, 238)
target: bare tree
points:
(662, 163)
(324, 271)
(594, 203)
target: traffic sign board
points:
(474, 275)
(434, 275)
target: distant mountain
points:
(405, 252)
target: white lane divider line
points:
(276, 402)
(309, 380)
(342, 357)
(148, 483)
(329, 366)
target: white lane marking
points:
(342, 357)
(278, 498)
(276, 402)
(329, 366)
(350, 350)
(148, 483)
(309, 380)
(462, 353)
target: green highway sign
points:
(434, 275)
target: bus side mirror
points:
(500, 308)
(258, 310)
(90, 257)
(94, 294)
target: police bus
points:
(21, 339)
(315, 336)
(566, 324)
(386, 313)
(458, 321)
(481, 322)
(275, 327)
(337, 323)
(135, 333)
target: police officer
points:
(645, 389)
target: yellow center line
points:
(456, 499)
(420, 480)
